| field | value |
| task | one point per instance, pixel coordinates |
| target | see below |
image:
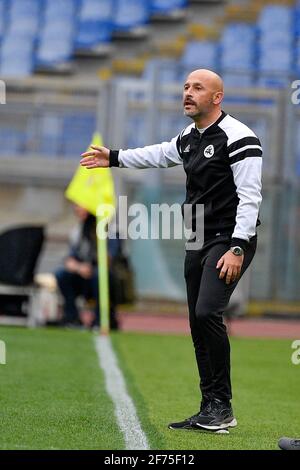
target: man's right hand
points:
(96, 158)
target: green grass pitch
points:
(52, 392)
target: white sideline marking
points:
(125, 411)
(2, 353)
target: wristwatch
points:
(237, 250)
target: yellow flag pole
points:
(103, 279)
(93, 191)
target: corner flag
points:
(91, 190)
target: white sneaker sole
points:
(231, 424)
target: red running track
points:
(263, 328)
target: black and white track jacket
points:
(223, 169)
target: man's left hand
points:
(231, 266)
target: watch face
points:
(237, 250)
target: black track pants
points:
(208, 296)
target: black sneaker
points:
(217, 416)
(190, 423)
(286, 443)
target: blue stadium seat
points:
(56, 40)
(276, 59)
(131, 14)
(297, 18)
(77, 131)
(238, 47)
(95, 23)
(200, 54)
(23, 24)
(55, 51)
(297, 57)
(12, 141)
(3, 17)
(166, 6)
(275, 16)
(16, 56)
(24, 18)
(57, 8)
(136, 129)
(92, 34)
(277, 29)
(297, 38)
(273, 81)
(170, 125)
(166, 68)
(238, 80)
(50, 127)
(65, 135)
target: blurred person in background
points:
(222, 160)
(79, 275)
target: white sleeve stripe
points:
(245, 148)
(247, 178)
(152, 156)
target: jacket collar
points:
(211, 129)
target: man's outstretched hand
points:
(98, 157)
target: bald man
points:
(222, 159)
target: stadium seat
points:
(131, 14)
(16, 56)
(95, 24)
(276, 31)
(297, 57)
(55, 9)
(297, 19)
(238, 80)
(136, 129)
(12, 141)
(56, 41)
(18, 45)
(3, 17)
(54, 52)
(50, 141)
(166, 68)
(200, 54)
(76, 133)
(167, 7)
(171, 125)
(56, 47)
(24, 18)
(238, 47)
(275, 16)
(273, 81)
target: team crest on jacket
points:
(209, 151)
